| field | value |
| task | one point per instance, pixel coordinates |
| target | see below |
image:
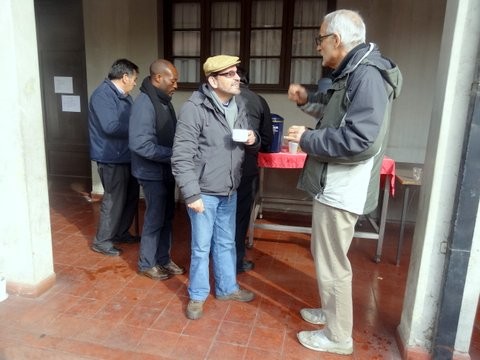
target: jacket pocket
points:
(313, 176)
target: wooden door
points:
(61, 49)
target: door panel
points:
(62, 54)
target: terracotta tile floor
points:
(100, 308)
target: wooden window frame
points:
(165, 27)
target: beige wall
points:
(118, 29)
(407, 31)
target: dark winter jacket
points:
(205, 158)
(108, 116)
(151, 136)
(345, 151)
(260, 120)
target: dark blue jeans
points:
(119, 203)
(157, 226)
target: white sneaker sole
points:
(340, 351)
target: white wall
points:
(25, 240)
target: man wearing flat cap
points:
(206, 162)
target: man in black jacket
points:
(260, 120)
(152, 128)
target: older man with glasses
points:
(206, 162)
(342, 170)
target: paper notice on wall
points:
(70, 103)
(63, 84)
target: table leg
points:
(402, 223)
(251, 224)
(256, 210)
(383, 219)
(260, 193)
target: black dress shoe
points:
(126, 239)
(113, 251)
(245, 265)
(155, 273)
(171, 268)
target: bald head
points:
(159, 66)
(164, 76)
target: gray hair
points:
(349, 24)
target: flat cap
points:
(217, 63)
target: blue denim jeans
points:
(213, 231)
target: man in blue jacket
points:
(342, 170)
(152, 128)
(108, 116)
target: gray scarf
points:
(230, 110)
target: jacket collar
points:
(353, 59)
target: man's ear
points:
(338, 40)
(125, 78)
(212, 81)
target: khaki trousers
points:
(332, 233)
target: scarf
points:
(230, 110)
(165, 124)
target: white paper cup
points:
(240, 135)
(292, 147)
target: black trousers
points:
(119, 204)
(246, 193)
(157, 226)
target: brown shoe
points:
(155, 273)
(172, 268)
(195, 309)
(239, 295)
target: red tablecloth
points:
(285, 160)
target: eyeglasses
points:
(228, 74)
(319, 39)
